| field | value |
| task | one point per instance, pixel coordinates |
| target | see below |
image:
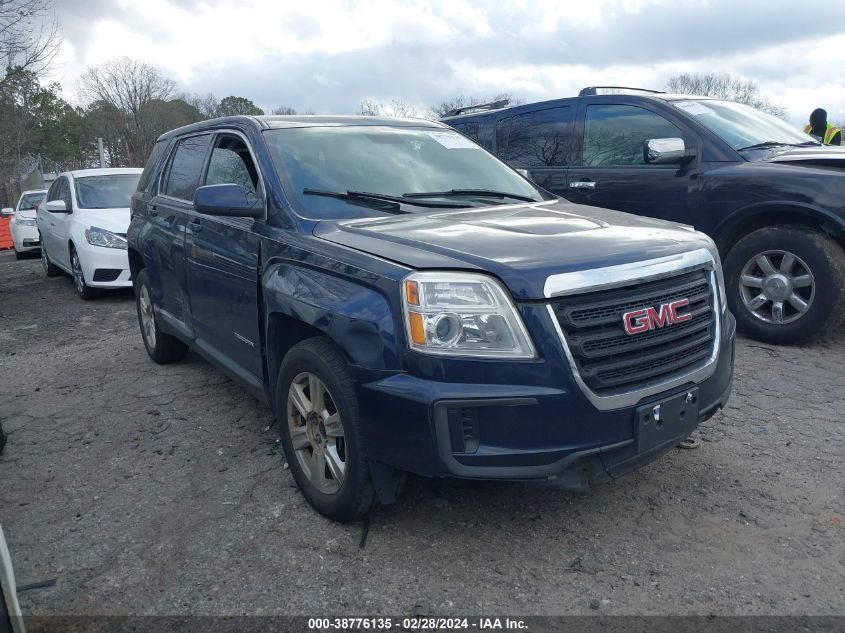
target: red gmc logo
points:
(645, 319)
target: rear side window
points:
(186, 167)
(539, 139)
(615, 134)
(152, 165)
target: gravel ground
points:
(161, 490)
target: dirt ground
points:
(161, 490)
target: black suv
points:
(771, 197)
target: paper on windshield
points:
(452, 140)
(694, 108)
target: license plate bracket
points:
(667, 419)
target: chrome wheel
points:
(316, 433)
(777, 287)
(148, 324)
(78, 277)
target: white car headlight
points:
(22, 221)
(102, 237)
(463, 314)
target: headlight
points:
(21, 221)
(462, 314)
(107, 239)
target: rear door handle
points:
(195, 227)
(582, 184)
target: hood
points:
(810, 157)
(28, 214)
(520, 244)
(114, 220)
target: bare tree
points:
(393, 108)
(207, 104)
(29, 35)
(724, 86)
(287, 110)
(130, 86)
(439, 110)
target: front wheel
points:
(162, 348)
(321, 433)
(85, 291)
(785, 284)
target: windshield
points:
(388, 161)
(30, 201)
(741, 125)
(105, 192)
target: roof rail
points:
(594, 90)
(493, 105)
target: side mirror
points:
(666, 151)
(227, 200)
(7, 211)
(57, 206)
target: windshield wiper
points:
(382, 197)
(484, 193)
(763, 145)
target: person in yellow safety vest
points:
(821, 130)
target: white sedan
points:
(83, 223)
(22, 227)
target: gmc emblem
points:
(645, 319)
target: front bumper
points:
(519, 432)
(25, 238)
(104, 267)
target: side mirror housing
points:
(7, 211)
(227, 200)
(57, 206)
(666, 151)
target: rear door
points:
(612, 172)
(167, 215)
(223, 255)
(540, 142)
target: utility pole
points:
(102, 151)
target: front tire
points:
(84, 291)
(18, 255)
(320, 427)
(162, 348)
(785, 284)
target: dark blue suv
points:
(406, 302)
(771, 197)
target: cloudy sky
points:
(329, 55)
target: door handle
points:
(153, 211)
(582, 184)
(195, 227)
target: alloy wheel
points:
(45, 261)
(78, 277)
(148, 327)
(316, 433)
(777, 287)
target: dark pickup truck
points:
(771, 196)
(406, 302)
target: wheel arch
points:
(759, 216)
(136, 263)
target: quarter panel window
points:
(186, 167)
(615, 134)
(540, 138)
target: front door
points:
(613, 173)
(59, 250)
(167, 216)
(223, 256)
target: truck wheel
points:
(320, 428)
(162, 348)
(785, 284)
(50, 269)
(85, 291)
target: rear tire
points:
(320, 426)
(85, 292)
(50, 269)
(18, 255)
(162, 348)
(786, 284)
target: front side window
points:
(108, 191)
(539, 139)
(392, 161)
(468, 129)
(186, 167)
(231, 163)
(64, 193)
(615, 134)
